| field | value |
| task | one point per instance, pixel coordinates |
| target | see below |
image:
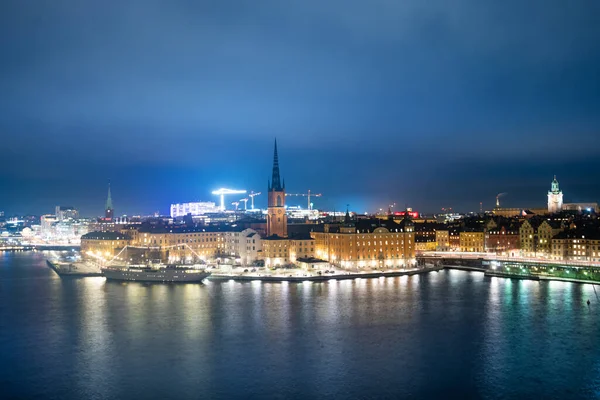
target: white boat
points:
(156, 273)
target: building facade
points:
(535, 237)
(368, 243)
(194, 209)
(169, 244)
(278, 251)
(245, 245)
(576, 245)
(442, 240)
(472, 241)
(503, 240)
(103, 245)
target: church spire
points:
(276, 180)
(109, 205)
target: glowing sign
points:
(412, 214)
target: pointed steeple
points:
(276, 180)
(109, 205)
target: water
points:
(448, 334)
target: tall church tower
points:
(276, 217)
(555, 198)
(108, 210)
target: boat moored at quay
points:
(156, 273)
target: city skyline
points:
(408, 104)
(507, 199)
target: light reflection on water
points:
(445, 334)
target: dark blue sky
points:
(431, 103)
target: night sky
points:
(432, 103)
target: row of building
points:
(390, 241)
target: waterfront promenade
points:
(301, 276)
(516, 267)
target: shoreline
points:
(367, 275)
(539, 278)
(321, 278)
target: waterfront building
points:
(472, 240)
(168, 243)
(545, 232)
(454, 234)
(276, 215)
(280, 251)
(555, 198)
(503, 240)
(425, 244)
(426, 234)
(245, 245)
(203, 242)
(535, 236)
(442, 240)
(527, 236)
(577, 244)
(103, 245)
(362, 243)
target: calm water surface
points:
(447, 334)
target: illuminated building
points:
(276, 216)
(518, 212)
(245, 245)
(536, 236)
(179, 242)
(454, 239)
(472, 241)
(425, 244)
(171, 244)
(425, 234)
(503, 240)
(195, 209)
(109, 212)
(442, 240)
(47, 225)
(367, 243)
(579, 245)
(545, 232)
(65, 213)
(555, 198)
(581, 207)
(278, 251)
(103, 245)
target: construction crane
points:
(236, 204)
(252, 195)
(309, 194)
(245, 201)
(222, 192)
